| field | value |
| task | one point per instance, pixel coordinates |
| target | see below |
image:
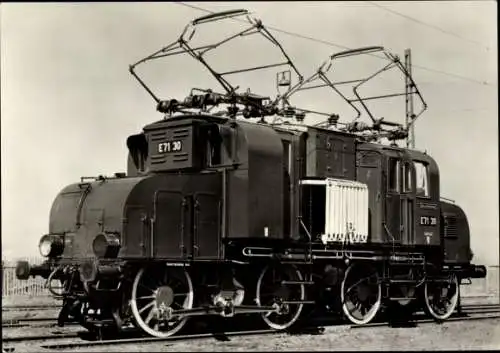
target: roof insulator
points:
(333, 119)
(300, 116)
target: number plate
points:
(170, 146)
(428, 221)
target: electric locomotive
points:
(219, 215)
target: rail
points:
(69, 340)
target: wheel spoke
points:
(145, 307)
(145, 297)
(150, 316)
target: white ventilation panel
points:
(346, 210)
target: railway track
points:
(33, 322)
(30, 307)
(223, 336)
(69, 339)
(477, 315)
(44, 337)
(145, 340)
(480, 306)
(21, 322)
(428, 321)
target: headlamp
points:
(51, 245)
(106, 245)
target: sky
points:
(68, 102)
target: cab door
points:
(400, 199)
(407, 202)
(427, 217)
(172, 236)
(206, 225)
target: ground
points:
(468, 335)
(450, 336)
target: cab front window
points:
(422, 176)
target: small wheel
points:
(155, 294)
(441, 298)
(361, 293)
(272, 292)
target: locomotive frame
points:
(217, 215)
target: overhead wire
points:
(293, 34)
(407, 17)
(463, 110)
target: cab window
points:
(407, 179)
(422, 182)
(393, 175)
(213, 147)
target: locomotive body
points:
(217, 215)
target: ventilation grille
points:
(346, 210)
(450, 227)
(158, 136)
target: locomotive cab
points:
(404, 195)
(185, 143)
